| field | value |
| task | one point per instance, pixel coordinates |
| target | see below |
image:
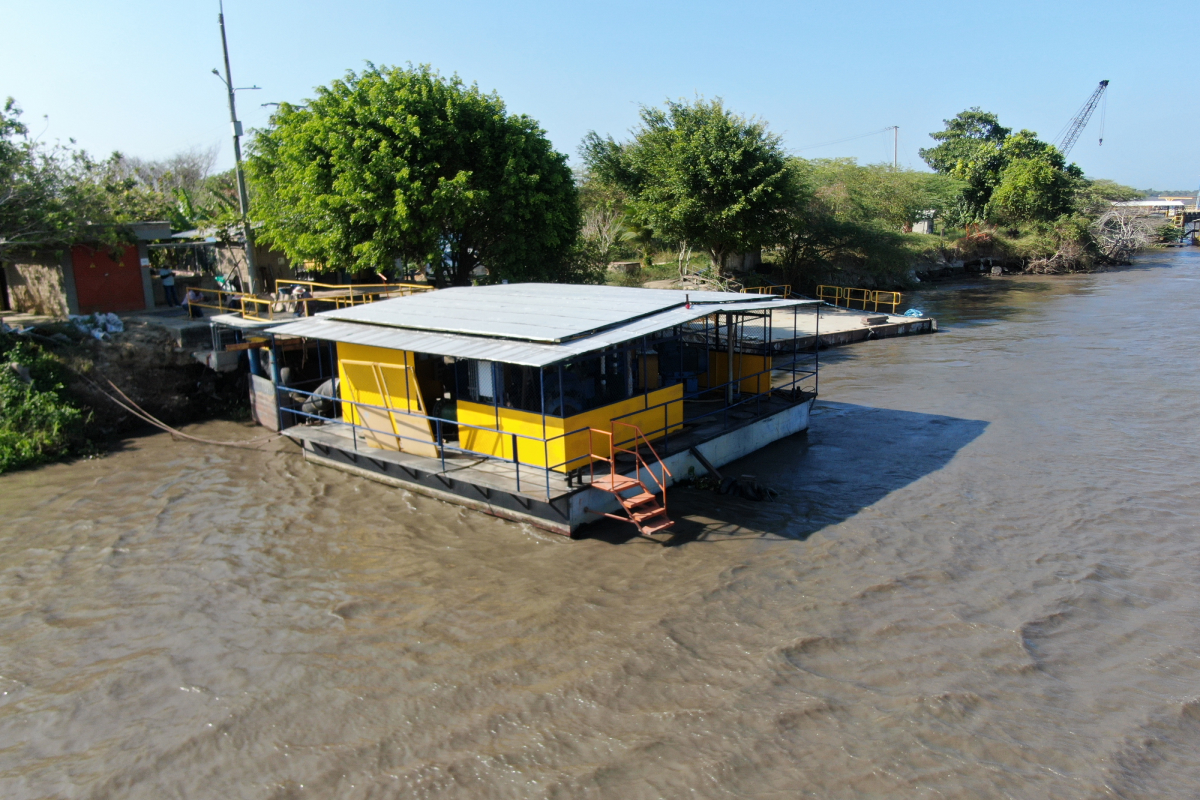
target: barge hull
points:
(568, 508)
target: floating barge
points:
(550, 404)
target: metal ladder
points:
(643, 508)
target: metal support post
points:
(516, 461)
(729, 357)
(441, 445)
(817, 356)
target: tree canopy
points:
(53, 194)
(701, 174)
(403, 163)
(1009, 177)
(964, 137)
(878, 193)
(39, 206)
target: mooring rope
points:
(145, 416)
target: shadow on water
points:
(852, 457)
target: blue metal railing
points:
(565, 467)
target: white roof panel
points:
(536, 312)
(510, 351)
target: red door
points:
(102, 284)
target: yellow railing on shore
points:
(285, 304)
(227, 302)
(864, 299)
(346, 288)
(781, 289)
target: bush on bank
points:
(38, 423)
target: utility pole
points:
(243, 198)
(895, 147)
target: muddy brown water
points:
(980, 580)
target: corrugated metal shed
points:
(507, 350)
(536, 312)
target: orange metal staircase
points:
(644, 509)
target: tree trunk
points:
(717, 256)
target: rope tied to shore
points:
(147, 417)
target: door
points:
(389, 407)
(104, 284)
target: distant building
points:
(1168, 208)
(86, 277)
(925, 223)
(228, 260)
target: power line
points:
(847, 139)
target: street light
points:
(243, 197)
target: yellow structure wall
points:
(743, 364)
(392, 413)
(504, 421)
(368, 394)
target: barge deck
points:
(549, 499)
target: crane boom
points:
(1076, 126)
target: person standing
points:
(168, 284)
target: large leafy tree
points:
(970, 149)
(701, 174)
(403, 163)
(36, 190)
(1035, 184)
(1009, 177)
(962, 139)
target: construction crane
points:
(1067, 138)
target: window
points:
(480, 385)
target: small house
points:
(86, 277)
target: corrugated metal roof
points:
(509, 351)
(536, 312)
(439, 344)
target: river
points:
(980, 580)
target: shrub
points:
(37, 423)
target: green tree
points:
(1035, 185)
(52, 195)
(878, 193)
(37, 189)
(962, 137)
(604, 216)
(1009, 177)
(402, 163)
(1031, 190)
(970, 149)
(701, 174)
(1094, 197)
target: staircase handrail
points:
(593, 456)
(645, 441)
(640, 461)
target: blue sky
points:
(135, 76)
